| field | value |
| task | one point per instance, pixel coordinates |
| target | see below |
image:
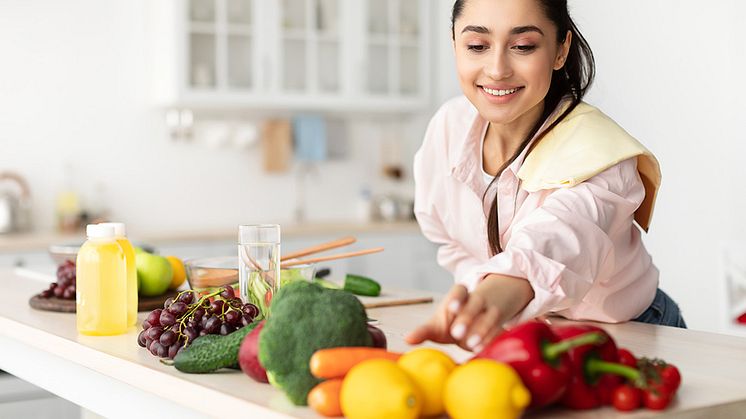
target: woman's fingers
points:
(455, 299)
(462, 323)
(420, 334)
(483, 329)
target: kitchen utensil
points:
(14, 206)
(332, 257)
(344, 241)
(277, 146)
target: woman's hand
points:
(472, 320)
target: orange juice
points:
(101, 284)
(129, 255)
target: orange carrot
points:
(324, 398)
(336, 362)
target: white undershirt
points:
(487, 177)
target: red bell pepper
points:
(596, 372)
(539, 358)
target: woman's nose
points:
(498, 66)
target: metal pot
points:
(14, 205)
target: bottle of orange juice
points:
(129, 255)
(101, 284)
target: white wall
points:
(75, 89)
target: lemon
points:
(484, 388)
(179, 275)
(378, 388)
(428, 368)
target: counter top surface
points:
(713, 366)
(36, 241)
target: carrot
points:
(336, 362)
(324, 398)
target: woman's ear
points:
(563, 51)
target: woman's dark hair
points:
(572, 81)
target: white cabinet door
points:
(292, 54)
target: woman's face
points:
(506, 51)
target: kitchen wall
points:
(74, 89)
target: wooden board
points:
(68, 306)
(391, 297)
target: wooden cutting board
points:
(395, 297)
(68, 306)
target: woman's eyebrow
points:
(523, 29)
(515, 31)
(475, 28)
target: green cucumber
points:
(212, 352)
(361, 285)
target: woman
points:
(532, 193)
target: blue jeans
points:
(662, 311)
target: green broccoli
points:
(305, 318)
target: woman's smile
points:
(501, 95)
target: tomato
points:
(656, 397)
(626, 358)
(671, 377)
(626, 398)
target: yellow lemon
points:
(378, 388)
(484, 388)
(428, 368)
(179, 272)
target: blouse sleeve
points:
(430, 167)
(564, 245)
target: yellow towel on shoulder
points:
(586, 143)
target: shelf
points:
(236, 29)
(202, 28)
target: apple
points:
(154, 274)
(248, 356)
(379, 339)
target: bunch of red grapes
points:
(168, 330)
(64, 288)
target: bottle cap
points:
(119, 229)
(97, 231)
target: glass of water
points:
(259, 264)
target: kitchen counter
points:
(42, 240)
(114, 377)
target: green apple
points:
(154, 274)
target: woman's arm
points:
(558, 251)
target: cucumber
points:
(361, 285)
(212, 352)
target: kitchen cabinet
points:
(340, 55)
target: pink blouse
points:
(577, 246)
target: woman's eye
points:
(476, 48)
(525, 48)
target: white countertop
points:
(40, 241)
(114, 377)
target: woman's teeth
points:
(500, 92)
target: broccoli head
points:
(303, 319)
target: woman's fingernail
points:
(453, 306)
(457, 331)
(479, 348)
(473, 341)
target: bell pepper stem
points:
(595, 366)
(552, 351)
